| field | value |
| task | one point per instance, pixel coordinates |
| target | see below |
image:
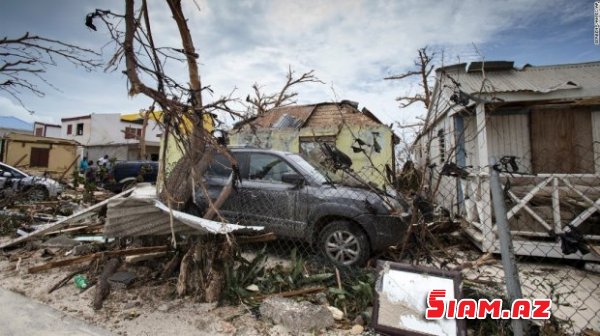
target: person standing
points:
(83, 165)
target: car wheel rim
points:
(37, 195)
(342, 247)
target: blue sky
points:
(351, 45)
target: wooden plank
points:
(527, 198)
(68, 168)
(568, 184)
(531, 212)
(556, 206)
(585, 214)
(90, 257)
(57, 225)
(561, 140)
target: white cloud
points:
(10, 109)
(351, 44)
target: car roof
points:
(257, 150)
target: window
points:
(268, 168)
(39, 157)
(69, 129)
(442, 145)
(220, 167)
(39, 131)
(80, 129)
(133, 133)
(311, 148)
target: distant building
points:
(112, 134)
(46, 130)
(38, 154)
(14, 125)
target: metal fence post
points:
(509, 263)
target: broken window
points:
(311, 148)
(80, 129)
(268, 167)
(219, 167)
(39, 157)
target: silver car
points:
(38, 188)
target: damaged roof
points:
(297, 116)
(502, 77)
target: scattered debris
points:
(122, 280)
(298, 317)
(103, 286)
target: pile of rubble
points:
(97, 262)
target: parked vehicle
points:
(124, 174)
(294, 199)
(13, 180)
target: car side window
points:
(219, 167)
(268, 167)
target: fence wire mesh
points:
(446, 222)
(553, 215)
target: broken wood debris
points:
(59, 224)
(103, 286)
(90, 257)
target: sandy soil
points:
(142, 309)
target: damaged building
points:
(305, 129)
(542, 125)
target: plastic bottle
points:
(80, 281)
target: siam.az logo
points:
(441, 307)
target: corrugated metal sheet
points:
(138, 215)
(538, 79)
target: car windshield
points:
(319, 173)
(15, 172)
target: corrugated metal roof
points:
(537, 79)
(15, 123)
(142, 215)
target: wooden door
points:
(561, 140)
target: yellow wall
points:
(59, 158)
(173, 151)
(289, 140)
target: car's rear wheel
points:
(344, 243)
(37, 194)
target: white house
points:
(545, 122)
(46, 130)
(112, 134)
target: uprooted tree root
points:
(201, 272)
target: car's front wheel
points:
(37, 194)
(344, 243)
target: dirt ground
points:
(142, 309)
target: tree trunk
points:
(201, 273)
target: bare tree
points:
(423, 68)
(183, 121)
(25, 59)
(261, 102)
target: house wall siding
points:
(510, 135)
(596, 138)
(289, 140)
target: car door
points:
(267, 200)
(216, 177)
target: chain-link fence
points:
(326, 227)
(553, 212)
